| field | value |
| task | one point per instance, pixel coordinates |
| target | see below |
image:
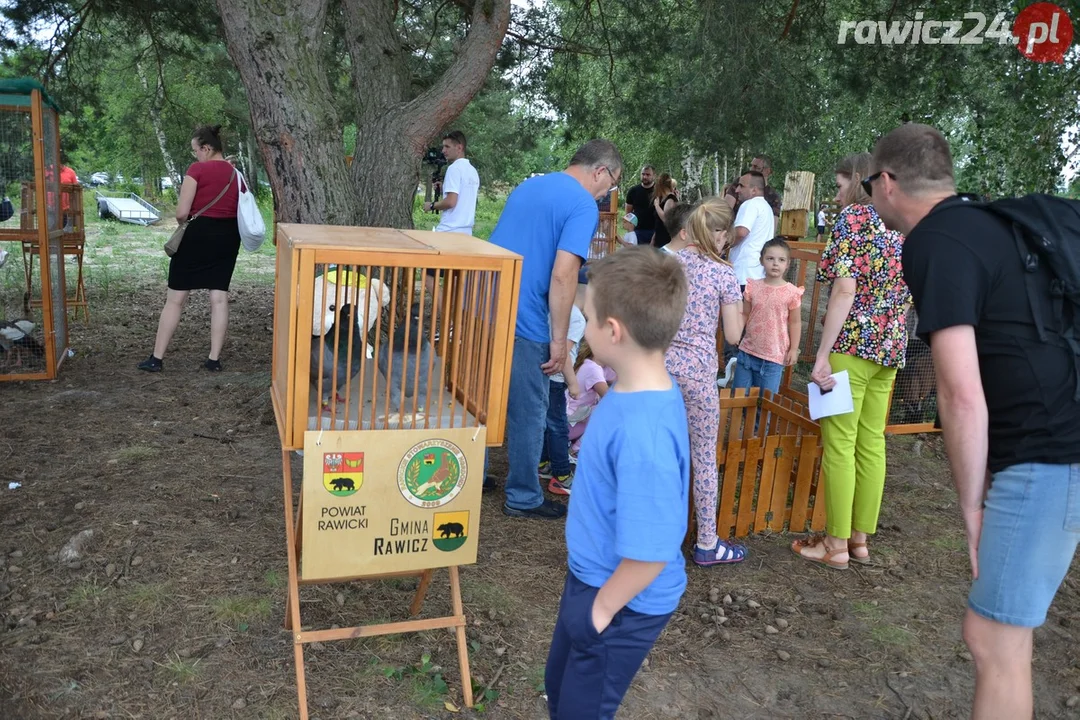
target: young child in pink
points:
(593, 382)
(698, 242)
(772, 308)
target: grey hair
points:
(598, 153)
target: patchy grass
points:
(892, 635)
(180, 671)
(866, 610)
(134, 454)
(274, 580)
(240, 610)
(488, 596)
(86, 593)
(952, 543)
(149, 598)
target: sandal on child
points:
(813, 541)
(722, 554)
(852, 546)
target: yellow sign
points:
(379, 501)
(450, 530)
(343, 473)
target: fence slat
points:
(765, 484)
(725, 521)
(809, 452)
(782, 483)
(746, 491)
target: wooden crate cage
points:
(433, 319)
(72, 241)
(381, 329)
(33, 316)
(770, 475)
(609, 229)
(913, 405)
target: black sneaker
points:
(152, 364)
(547, 510)
(212, 365)
(490, 483)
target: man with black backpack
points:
(997, 290)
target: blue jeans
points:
(588, 673)
(752, 371)
(526, 408)
(557, 431)
(1031, 526)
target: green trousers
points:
(853, 457)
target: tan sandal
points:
(813, 541)
(855, 558)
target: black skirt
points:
(207, 255)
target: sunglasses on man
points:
(868, 183)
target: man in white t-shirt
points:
(460, 186)
(754, 226)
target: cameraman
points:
(460, 187)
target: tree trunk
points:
(155, 121)
(279, 55)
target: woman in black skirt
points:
(207, 255)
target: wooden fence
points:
(769, 474)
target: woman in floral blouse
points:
(866, 335)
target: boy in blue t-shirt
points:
(628, 513)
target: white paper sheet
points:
(837, 401)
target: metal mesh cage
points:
(33, 331)
(21, 331)
(914, 399)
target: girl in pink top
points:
(593, 382)
(772, 308)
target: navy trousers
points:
(587, 672)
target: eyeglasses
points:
(610, 175)
(868, 182)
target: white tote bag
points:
(248, 217)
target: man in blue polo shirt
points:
(549, 220)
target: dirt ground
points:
(176, 609)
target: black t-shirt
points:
(640, 198)
(662, 237)
(963, 268)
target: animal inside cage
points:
(914, 396)
(380, 329)
(33, 322)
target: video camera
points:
(434, 156)
(437, 160)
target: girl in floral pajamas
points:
(692, 360)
